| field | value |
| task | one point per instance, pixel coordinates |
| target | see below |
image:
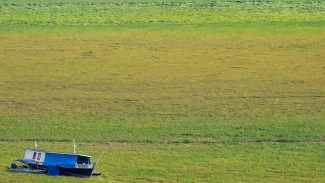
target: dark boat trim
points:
(78, 172)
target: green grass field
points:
(99, 12)
(166, 91)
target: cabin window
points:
(34, 155)
(39, 156)
(83, 160)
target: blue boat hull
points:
(53, 163)
(78, 172)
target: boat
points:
(54, 163)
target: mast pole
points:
(74, 147)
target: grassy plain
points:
(102, 12)
(183, 100)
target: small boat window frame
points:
(83, 160)
(39, 156)
(34, 155)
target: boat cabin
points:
(58, 163)
(53, 158)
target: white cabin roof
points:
(44, 151)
